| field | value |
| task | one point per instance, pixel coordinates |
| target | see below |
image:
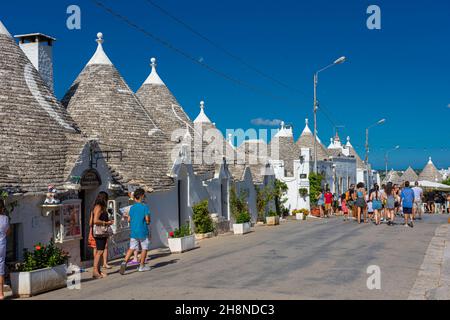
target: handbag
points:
(102, 231)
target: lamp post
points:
(386, 157)
(367, 147)
(316, 105)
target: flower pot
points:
(273, 221)
(30, 283)
(178, 245)
(315, 212)
(241, 228)
(299, 216)
(200, 236)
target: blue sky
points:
(400, 72)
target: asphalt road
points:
(320, 259)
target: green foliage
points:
(279, 191)
(303, 192)
(9, 206)
(447, 182)
(238, 203)
(263, 197)
(43, 257)
(272, 214)
(202, 220)
(243, 217)
(315, 184)
(183, 231)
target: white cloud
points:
(266, 122)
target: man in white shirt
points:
(418, 195)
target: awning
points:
(434, 185)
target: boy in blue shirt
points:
(139, 219)
(407, 196)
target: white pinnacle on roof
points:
(331, 146)
(3, 30)
(306, 130)
(348, 144)
(429, 160)
(202, 118)
(285, 131)
(154, 78)
(99, 56)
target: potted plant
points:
(242, 225)
(272, 218)
(301, 214)
(303, 192)
(43, 269)
(203, 223)
(181, 239)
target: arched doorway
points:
(89, 184)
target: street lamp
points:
(386, 157)
(367, 146)
(316, 105)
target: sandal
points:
(107, 266)
(95, 276)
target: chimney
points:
(38, 48)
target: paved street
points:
(317, 259)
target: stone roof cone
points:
(283, 147)
(409, 175)
(306, 140)
(105, 108)
(393, 177)
(35, 130)
(167, 113)
(430, 172)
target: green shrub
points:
(243, 217)
(272, 214)
(43, 257)
(202, 220)
(315, 184)
(238, 203)
(303, 192)
(183, 231)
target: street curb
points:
(433, 279)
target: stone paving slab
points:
(433, 279)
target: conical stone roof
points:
(392, 177)
(306, 140)
(409, 175)
(430, 173)
(169, 115)
(34, 128)
(107, 110)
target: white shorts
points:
(138, 244)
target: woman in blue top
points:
(361, 201)
(321, 202)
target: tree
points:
(238, 203)
(280, 189)
(263, 197)
(447, 182)
(315, 185)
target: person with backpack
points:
(360, 202)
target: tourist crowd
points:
(383, 204)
